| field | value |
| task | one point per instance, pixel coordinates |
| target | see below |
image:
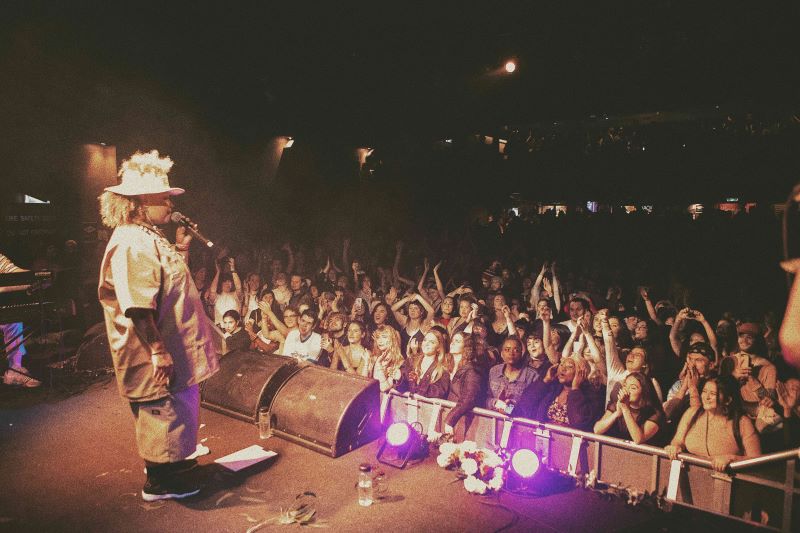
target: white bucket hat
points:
(145, 174)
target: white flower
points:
(491, 459)
(443, 460)
(448, 448)
(496, 483)
(469, 466)
(499, 472)
(470, 483)
(468, 446)
(480, 487)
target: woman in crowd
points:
(502, 326)
(636, 415)
(354, 357)
(387, 359)
(467, 378)
(445, 314)
(717, 429)
(229, 296)
(621, 334)
(411, 324)
(510, 378)
(252, 289)
(381, 316)
(424, 371)
(636, 360)
(563, 397)
(264, 337)
(465, 313)
(236, 338)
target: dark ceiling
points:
(374, 70)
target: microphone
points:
(179, 218)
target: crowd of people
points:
(540, 343)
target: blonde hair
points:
(116, 210)
(395, 355)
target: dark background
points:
(211, 83)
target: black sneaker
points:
(174, 489)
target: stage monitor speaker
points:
(246, 381)
(327, 411)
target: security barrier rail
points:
(765, 488)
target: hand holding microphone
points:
(191, 226)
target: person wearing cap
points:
(685, 392)
(757, 376)
(160, 338)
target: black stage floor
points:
(68, 463)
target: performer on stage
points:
(160, 338)
(16, 374)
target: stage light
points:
(404, 442)
(289, 142)
(510, 66)
(398, 434)
(526, 476)
(525, 463)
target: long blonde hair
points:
(116, 210)
(395, 355)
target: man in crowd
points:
(304, 343)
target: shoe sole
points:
(156, 497)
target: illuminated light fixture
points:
(525, 476)
(403, 443)
(525, 463)
(289, 142)
(510, 66)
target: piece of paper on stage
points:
(245, 457)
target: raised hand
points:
(437, 266)
(580, 376)
(551, 374)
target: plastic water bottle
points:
(365, 496)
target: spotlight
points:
(510, 66)
(525, 463)
(404, 442)
(527, 478)
(289, 142)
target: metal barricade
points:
(768, 483)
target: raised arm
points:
(400, 317)
(651, 310)
(512, 329)
(421, 282)
(426, 304)
(267, 311)
(549, 350)
(556, 289)
(674, 340)
(614, 367)
(537, 286)
(710, 334)
(212, 290)
(439, 286)
(237, 282)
